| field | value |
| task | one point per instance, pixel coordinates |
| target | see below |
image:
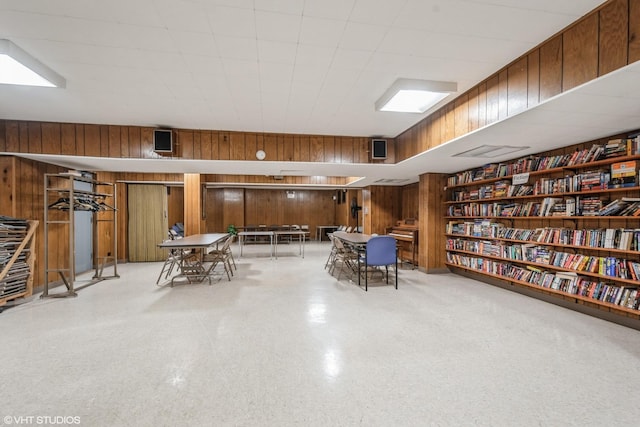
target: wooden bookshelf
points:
(608, 275)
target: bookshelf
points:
(562, 226)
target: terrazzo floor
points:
(286, 344)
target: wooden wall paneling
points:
(410, 201)
(482, 104)
(271, 146)
(51, 138)
(103, 246)
(288, 148)
(474, 109)
(364, 150)
(503, 93)
(206, 145)
(104, 141)
(124, 142)
(236, 146)
(214, 204)
(12, 132)
(23, 137)
(449, 130)
(35, 137)
(614, 36)
(216, 138)
(175, 205)
(517, 87)
(3, 136)
(146, 144)
(197, 144)
(316, 149)
(114, 144)
(533, 78)
(580, 53)
(135, 142)
(305, 148)
(347, 149)
(91, 139)
(233, 207)
(224, 146)
(185, 142)
(431, 251)
(193, 204)
(493, 99)
(634, 31)
(8, 186)
(461, 121)
(551, 68)
(79, 132)
(250, 147)
(123, 220)
(68, 139)
(328, 144)
(421, 136)
(434, 129)
(384, 208)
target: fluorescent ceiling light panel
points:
(490, 151)
(17, 67)
(414, 96)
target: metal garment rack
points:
(60, 187)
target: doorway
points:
(147, 205)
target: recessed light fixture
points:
(490, 151)
(414, 96)
(17, 67)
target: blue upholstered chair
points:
(380, 252)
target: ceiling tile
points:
(321, 32)
(362, 36)
(277, 27)
(237, 48)
(232, 21)
(283, 52)
(376, 12)
(332, 9)
(291, 7)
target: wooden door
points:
(147, 222)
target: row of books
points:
(627, 239)
(551, 206)
(606, 266)
(588, 181)
(613, 148)
(570, 283)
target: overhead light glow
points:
(414, 96)
(413, 101)
(17, 67)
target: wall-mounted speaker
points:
(378, 148)
(163, 140)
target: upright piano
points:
(406, 234)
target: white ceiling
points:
(294, 66)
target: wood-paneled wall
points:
(136, 142)
(410, 201)
(382, 207)
(431, 253)
(602, 41)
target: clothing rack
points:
(61, 195)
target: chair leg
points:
(366, 278)
(396, 270)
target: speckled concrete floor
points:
(284, 343)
